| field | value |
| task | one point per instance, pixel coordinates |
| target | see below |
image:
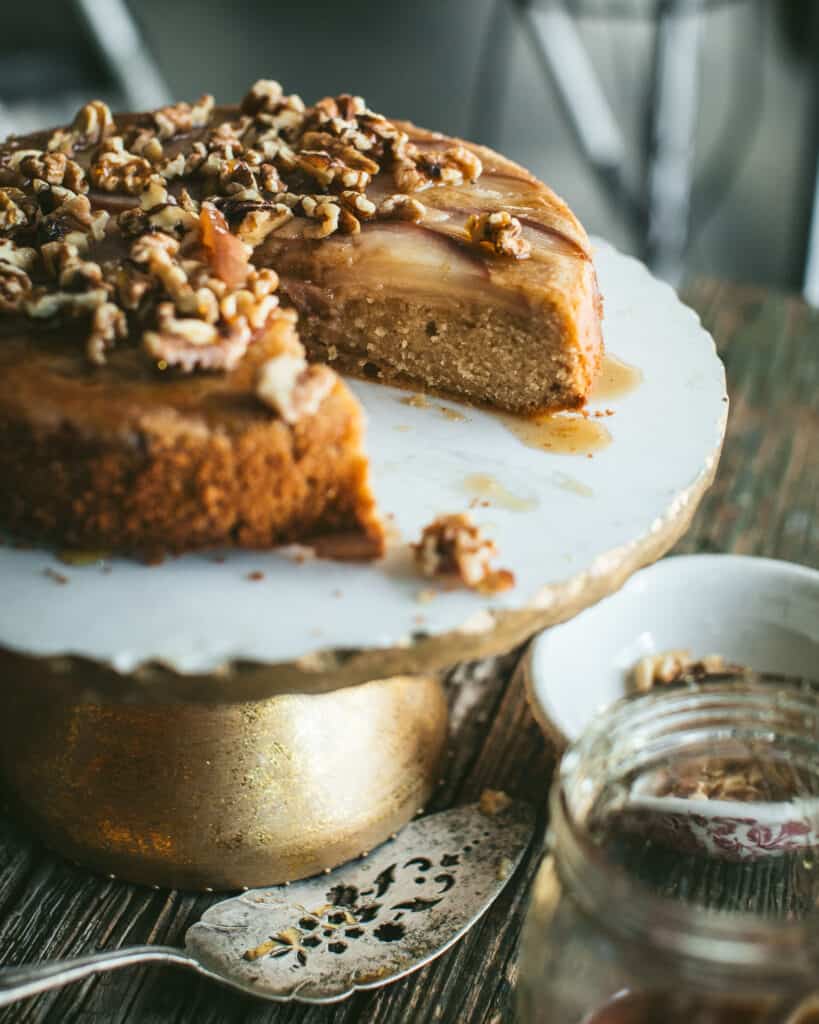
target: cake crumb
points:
(453, 546)
(56, 577)
(426, 595)
(255, 576)
(493, 802)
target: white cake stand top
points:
(572, 528)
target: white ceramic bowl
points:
(756, 612)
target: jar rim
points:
(623, 903)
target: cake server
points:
(361, 926)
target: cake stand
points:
(246, 718)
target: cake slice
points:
(480, 289)
(154, 395)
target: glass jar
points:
(682, 882)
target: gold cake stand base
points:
(222, 795)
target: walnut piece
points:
(108, 325)
(71, 217)
(16, 209)
(190, 343)
(420, 170)
(493, 801)
(115, 169)
(182, 117)
(91, 125)
(291, 387)
(498, 232)
(675, 666)
(453, 546)
(15, 288)
(53, 168)
(258, 223)
(18, 256)
(323, 210)
(401, 207)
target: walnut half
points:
(452, 546)
(498, 232)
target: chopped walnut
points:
(493, 802)
(63, 261)
(277, 114)
(71, 217)
(158, 211)
(292, 388)
(143, 142)
(15, 284)
(401, 207)
(190, 343)
(53, 168)
(498, 232)
(16, 209)
(358, 205)
(323, 210)
(108, 325)
(130, 284)
(91, 125)
(676, 666)
(15, 288)
(452, 545)
(44, 305)
(183, 117)
(328, 169)
(257, 224)
(158, 253)
(263, 96)
(115, 169)
(420, 170)
(18, 256)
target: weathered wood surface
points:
(764, 502)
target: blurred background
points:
(685, 131)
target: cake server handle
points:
(31, 979)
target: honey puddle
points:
(615, 379)
(486, 487)
(561, 433)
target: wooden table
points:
(764, 502)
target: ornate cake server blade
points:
(361, 926)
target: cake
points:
(177, 289)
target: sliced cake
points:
(154, 394)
